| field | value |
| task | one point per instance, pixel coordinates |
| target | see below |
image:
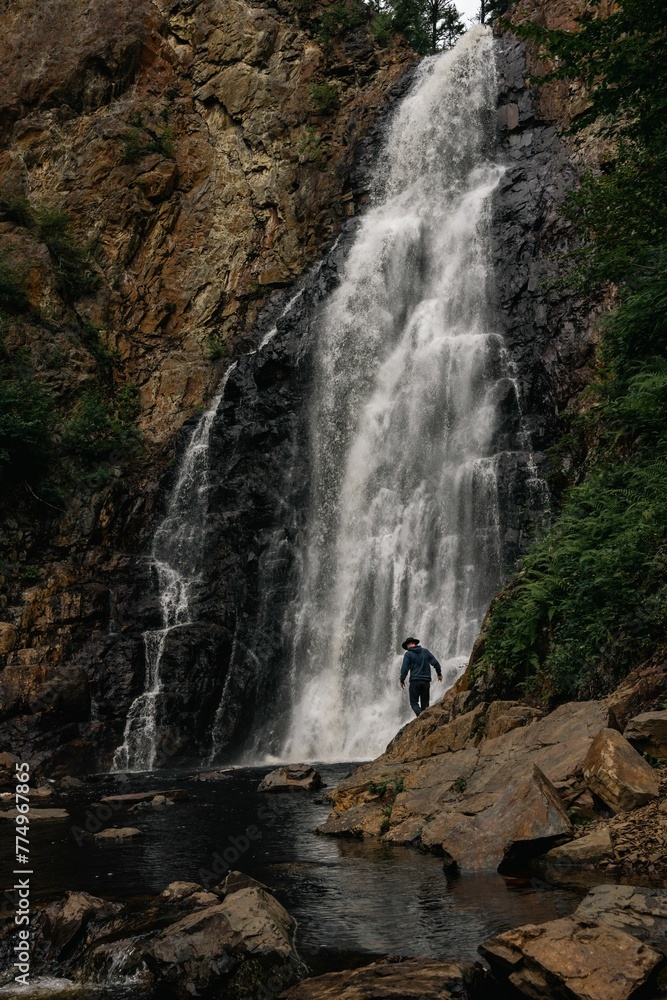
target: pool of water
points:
(352, 900)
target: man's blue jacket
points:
(418, 662)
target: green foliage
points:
(105, 358)
(72, 260)
(311, 148)
(97, 432)
(590, 601)
(460, 784)
(382, 27)
(12, 285)
(139, 142)
(325, 96)
(217, 347)
(428, 25)
(340, 18)
(27, 419)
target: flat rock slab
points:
(410, 979)
(117, 835)
(36, 815)
(293, 778)
(131, 798)
(637, 910)
(572, 958)
(648, 732)
(221, 775)
(617, 774)
(589, 849)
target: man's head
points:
(410, 642)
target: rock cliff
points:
(164, 168)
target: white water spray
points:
(404, 528)
(176, 555)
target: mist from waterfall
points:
(404, 532)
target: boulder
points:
(393, 979)
(117, 835)
(504, 716)
(617, 774)
(572, 959)
(589, 849)
(186, 895)
(37, 815)
(248, 937)
(134, 798)
(522, 822)
(648, 733)
(235, 881)
(293, 778)
(69, 918)
(635, 909)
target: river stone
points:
(637, 910)
(249, 934)
(520, 823)
(117, 835)
(293, 778)
(648, 733)
(235, 881)
(572, 959)
(133, 798)
(617, 774)
(37, 815)
(589, 849)
(393, 979)
(69, 917)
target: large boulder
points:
(70, 918)
(393, 979)
(521, 822)
(293, 778)
(617, 774)
(638, 910)
(648, 733)
(246, 939)
(572, 959)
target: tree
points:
(428, 25)
(490, 9)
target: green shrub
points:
(139, 142)
(460, 785)
(382, 28)
(27, 419)
(72, 259)
(12, 285)
(311, 147)
(325, 96)
(340, 18)
(95, 433)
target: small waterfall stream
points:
(415, 413)
(176, 557)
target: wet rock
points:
(571, 958)
(235, 881)
(246, 939)
(637, 910)
(293, 778)
(221, 775)
(186, 896)
(617, 774)
(69, 918)
(395, 979)
(37, 815)
(589, 849)
(117, 835)
(643, 689)
(134, 798)
(648, 733)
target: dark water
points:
(352, 901)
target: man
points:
(418, 662)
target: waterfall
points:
(414, 416)
(176, 557)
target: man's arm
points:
(434, 663)
(405, 667)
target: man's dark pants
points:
(419, 695)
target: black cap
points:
(409, 639)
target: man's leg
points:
(425, 695)
(414, 691)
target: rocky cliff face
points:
(198, 156)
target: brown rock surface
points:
(442, 800)
(648, 733)
(616, 773)
(640, 911)
(571, 958)
(117, 835)
(409, 979)
(588, 849)
(293, 778)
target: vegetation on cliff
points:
(590, 600)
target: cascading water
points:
(414, 411)
(176, 556)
